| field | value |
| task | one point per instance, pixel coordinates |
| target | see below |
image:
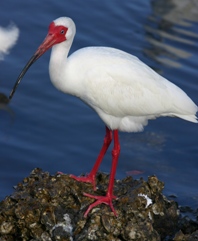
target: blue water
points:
(45, 128)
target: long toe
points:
(88, 179)
(100, 199)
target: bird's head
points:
(60, 30)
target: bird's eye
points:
(62, 31)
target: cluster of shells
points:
(51, 207)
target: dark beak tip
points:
(27, 66)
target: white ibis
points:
(124, 92)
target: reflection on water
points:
(169, 30)
(146, 140)
(176, 11)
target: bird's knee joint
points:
(115, 152)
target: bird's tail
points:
(191, 118)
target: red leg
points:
(109, 195)
(91, 176)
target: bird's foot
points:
(100, 199)
(89, 178)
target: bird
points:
(124, 92)
(8, 38)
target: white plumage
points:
(118, 86)
(124, 91)
(8, 38)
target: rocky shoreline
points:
(51, 207)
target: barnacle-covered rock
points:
(51, 207)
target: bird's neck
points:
(58, 66)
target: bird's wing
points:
(120, 85)
(127, 89)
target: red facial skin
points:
(56, 34)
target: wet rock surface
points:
(51, 207)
